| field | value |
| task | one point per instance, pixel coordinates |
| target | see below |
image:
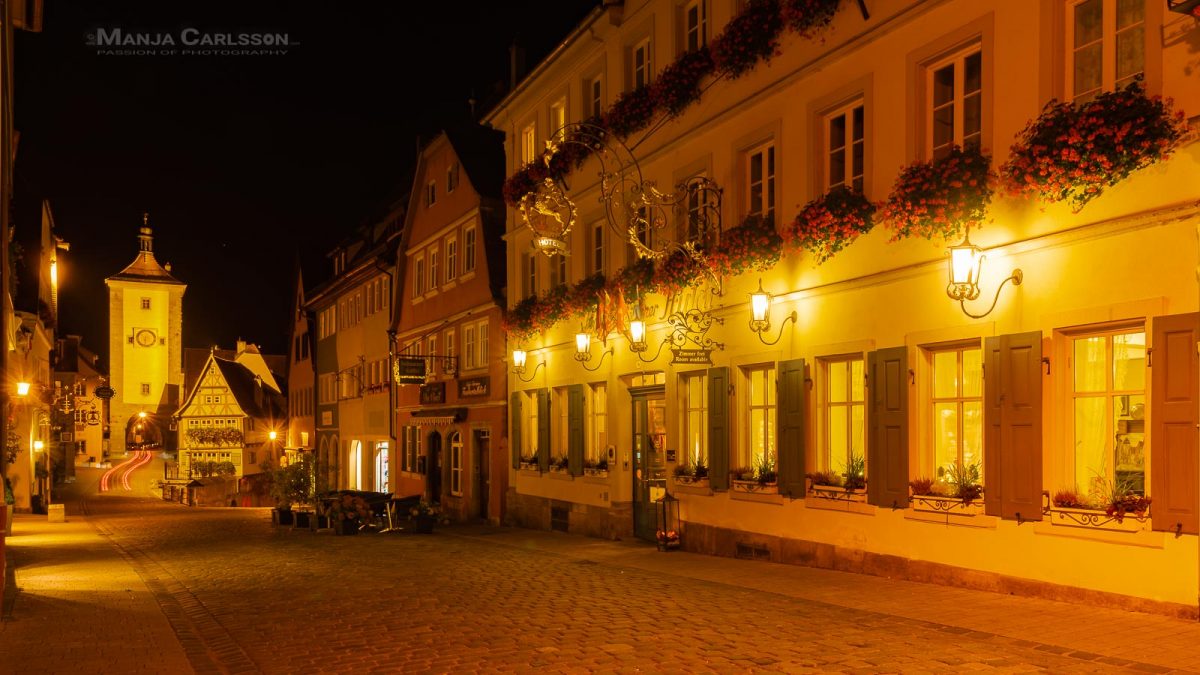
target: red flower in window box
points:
(941, 197)
(831, 222)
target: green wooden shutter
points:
(543, 430)
(887, 425)
(1012, 447)
(790, 421)
(515, 416)
(1173, 391)
(575, 428)
(718, 428)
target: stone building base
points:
(700, 538)
(539, 513)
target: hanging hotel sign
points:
(433, 393)
(692, 356)
(409, 370)
(104, 392)
(474, 386)
(689, 339)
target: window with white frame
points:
(482, 356)
(469, 346)
(845, 143)
(529, 264)
(430, 193)
(597, 408)
(760, 182)
(559, 269)
(451, 177)
(694, 25)
(695, 216)
(558, 118)
(529, 143)
(451, 258)
(456, 463)
(450, 353)
(1106, 45)
(640, 63)
(469, 250)
(419, 277)
(371, 298)
(955, 102)
(435, 269)
(593, 91)
(559, 423)
(757, 452)
(956, 406)
(694, 404)
(432, 343)
(1107, 371)
(412, 448)
(842, 413)
(597, 257)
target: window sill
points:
(949, 511)
(595, 473)
(691, 481)
(1095, 519)
(466, 276)
(754, 487)
(530, 468)
(758, 497)
(701, 490)
(834, 493)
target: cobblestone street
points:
(240, 596)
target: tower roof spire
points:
(145, 267)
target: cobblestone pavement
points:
(241, 596)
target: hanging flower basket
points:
(809, 17)
(1074, 151)
(831, 222)
(941, 197)
(750, 37)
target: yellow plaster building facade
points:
(1082, 377)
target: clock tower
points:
(145, 329)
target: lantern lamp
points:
(22, 389)
(583, 350)
(667, 517)
(965, 267)
(637, 335)
(273, 435)
(760, 315)
(38, 445)
(142, 414)
(519, 358)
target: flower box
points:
(692, 480)
(755, 487)
(1096, 519)
(530, 466)
(837, 493)
(559, 469)
(948, 505)
(596, 473)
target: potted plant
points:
(560, 464)
(593, 467)
(424, 515)
(348, 513)
(529, 462)
(957, 489)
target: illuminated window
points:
(955, 102)
(560, 423)
(1106, 45)
(694, 406)
(597, 406)
(760, 182)
(957, 409)
(382, 467)
(842, 417)
(759, 447)
(529, 431)
(845, 141)
(1108, 394)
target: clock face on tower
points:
(145, 337)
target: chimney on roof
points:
(516, 65)
(241, 346)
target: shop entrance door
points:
(649, 448)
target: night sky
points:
(244, 162)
